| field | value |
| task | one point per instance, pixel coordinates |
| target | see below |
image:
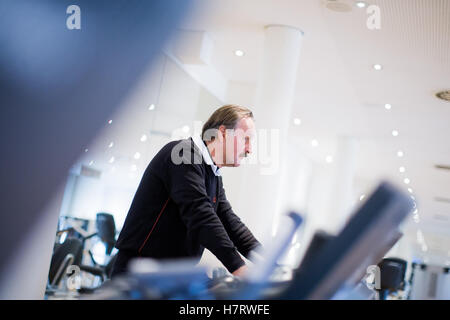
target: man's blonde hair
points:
(228, 116)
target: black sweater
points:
(181, 208)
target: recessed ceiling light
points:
(402, 169)
(388, 106)
(410, 190)
(406, 181)
(111, 144)
(314, 143)
(111, 160)
(329, 159)
(151, 107)
(91, 162)
(377, 67)
(86, 150)
(361, 4)
(297, 121)
(144, 138)
(137, 155)
(400, 154)
(185, 129)
(361, 198)
(239, 53)
(395, 133)
(110, 121)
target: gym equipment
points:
(70, 251)
(392, 272)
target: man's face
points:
(238, 142)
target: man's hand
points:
(240, 271)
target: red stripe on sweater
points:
(154, 225)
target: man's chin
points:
(235, 164)
(232, 165)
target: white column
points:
(272, 112)
(342, 195)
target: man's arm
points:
(238, 232)
(187, 189)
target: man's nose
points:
(248, 148)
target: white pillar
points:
(272, 112)
(342, 192)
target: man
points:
(180, 206)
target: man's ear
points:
(222, 131)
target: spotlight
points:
(377, 67)
(361, 4)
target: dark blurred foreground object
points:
(334, 263)
(59, 86)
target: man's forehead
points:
(247, 125)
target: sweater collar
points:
(205, 154)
